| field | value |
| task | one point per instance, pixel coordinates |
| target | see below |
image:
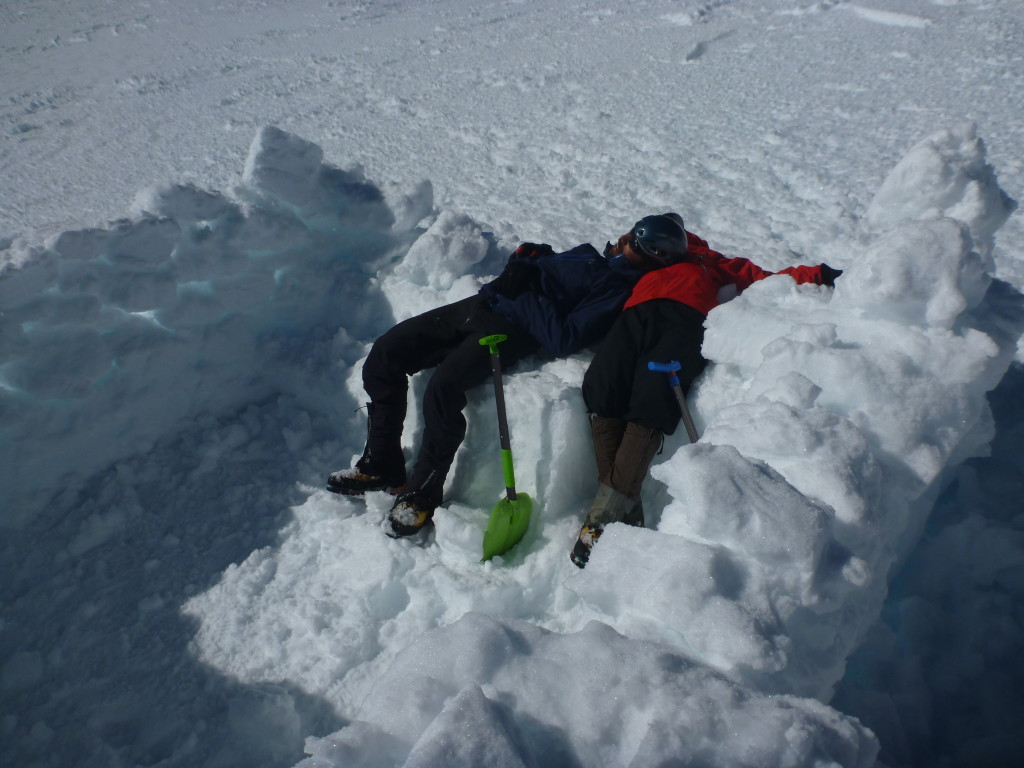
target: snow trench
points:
(201, 359)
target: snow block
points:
(284, 165)
(286, 173)
(451, 248)
(439, 266)
(24, 274)
(821, 454)
(147, 241)
(80, 244)
(921, 273)
(61, 363)
(410, 205)
(184, 203)
(945, 175)
(744, 505)
(522, 685)
(470, 731)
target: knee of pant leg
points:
(464, 367)
(607, 431)
(379, 365)
(443, 402)
(387, 368)
(444, 382)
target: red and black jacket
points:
(697, 281)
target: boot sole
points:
(394, 490)
(405, 531)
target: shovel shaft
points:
(670, 369)
(492, 343)
(510, 475)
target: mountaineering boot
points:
(587, 539)
(608, 506)
(414, 508)
(382, 465)
(367, 476)
(635, 516)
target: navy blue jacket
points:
(576, 297)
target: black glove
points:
(531, 251)
(829, 275)
(517, 277)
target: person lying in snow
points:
(558, 302)
(632, 408)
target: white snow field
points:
(208, 211)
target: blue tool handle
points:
(670, 368)
(671, 365)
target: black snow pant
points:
(618, 383)
(448, 340)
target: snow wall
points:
(206, 352)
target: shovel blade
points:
(507, 525)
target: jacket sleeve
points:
(584, 325)
(804, 274)
(743, 273)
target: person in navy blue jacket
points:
(547, 302)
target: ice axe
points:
(511, 516)
(670, 368)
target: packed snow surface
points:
(830, 576)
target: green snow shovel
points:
(511, 516)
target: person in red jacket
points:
(631, 408)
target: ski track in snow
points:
(888, 17)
